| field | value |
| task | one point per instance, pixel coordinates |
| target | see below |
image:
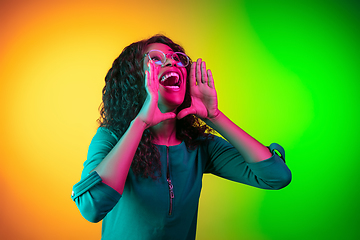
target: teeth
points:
(171, 74)
(173, 87)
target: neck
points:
(165, 133)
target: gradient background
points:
(285, 71)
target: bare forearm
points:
(115, 166)
(249, 147)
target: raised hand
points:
(203, 94)
(150, 113)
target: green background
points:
(285, 72)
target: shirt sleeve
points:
(94, 198)
(225, 161)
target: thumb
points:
(166, 116)
(185, 112)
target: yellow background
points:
(284, 72)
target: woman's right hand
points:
(150, 113)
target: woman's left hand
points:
(203, 94)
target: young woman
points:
(143, 173)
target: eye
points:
(176, 57)
(155, 58)
(181, 59)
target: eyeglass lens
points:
(159, 58)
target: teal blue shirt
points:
(147, 208)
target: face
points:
(172, 79)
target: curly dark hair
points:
(124, 95)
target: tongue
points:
(170, 81)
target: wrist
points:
(211, 121)
(215, 116)
(138, 123)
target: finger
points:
(155, 80)
(204, 78)
(167, 116)
(210, 78)
(185, 112)
(147, 79)
(149, 73)
(198, 71)
(192, 75)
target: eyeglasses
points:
(159, 58)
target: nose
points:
(169, 61)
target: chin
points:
(169, 106)
(171, 99)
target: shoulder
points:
(213, 143)
(105, 133)
(103, 140)
(215, 140)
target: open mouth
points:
(170, 80)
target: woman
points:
(143, 173)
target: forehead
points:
(158, 46)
